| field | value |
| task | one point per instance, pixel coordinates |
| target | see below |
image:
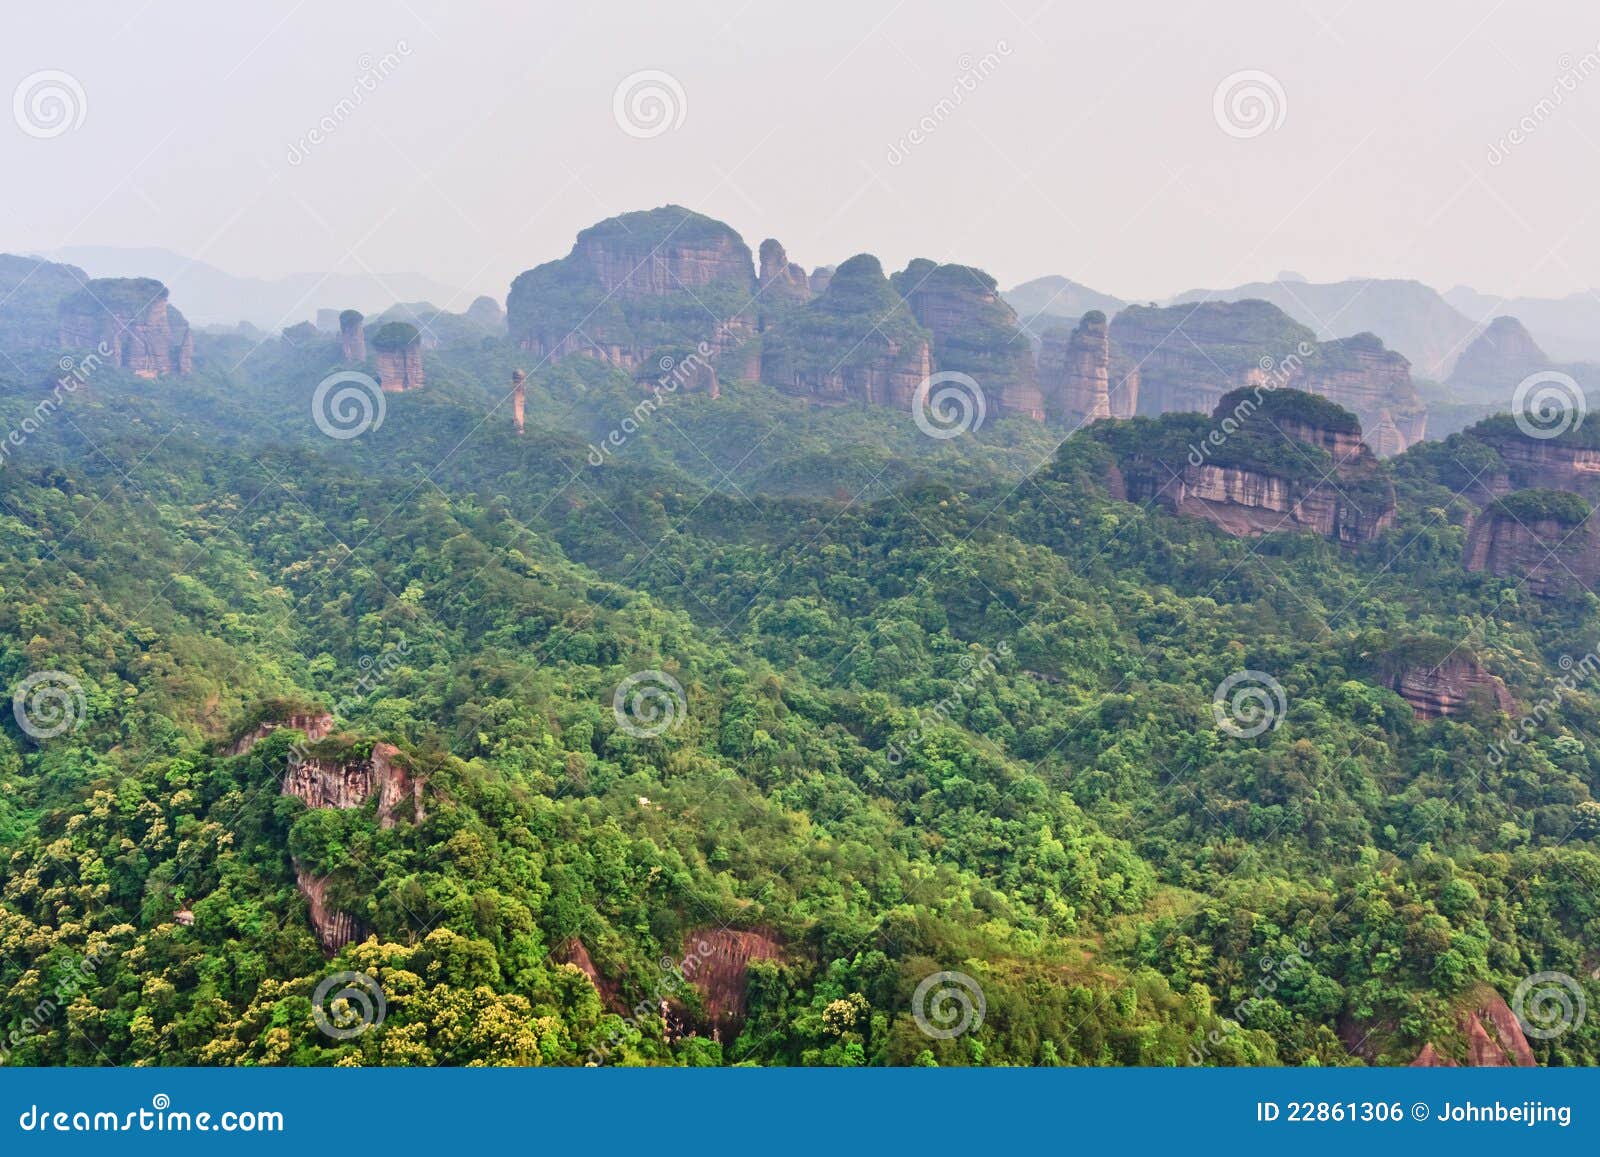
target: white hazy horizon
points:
(1447, 143)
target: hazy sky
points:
(1090, 145)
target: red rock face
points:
(400, 369)
(627, 268)
(1246, 503)
(142, 334)
(715, 960)
(1371, 382)
(1543, 463)
(975, 332)
(1449, 688)
(334, 929)
(1490, 1033)
(352, 337)
(889, 376)
(322, 783)
(1077, 376)
(316, 726)
(519, 395)
(1552, 557)
(782, 284)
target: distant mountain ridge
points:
(216, 297)
(1410, 317)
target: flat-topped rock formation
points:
(352, 337)
(662, 279)
(1265, 461)
(130, 317)
(397, 353)
(1543, 537)
(1371, 382)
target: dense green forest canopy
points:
(1063, 819)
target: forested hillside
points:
(910, 706)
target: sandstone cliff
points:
(1265, 461)
(974, 333)
(397, 352)
(857, 342)
(352, 338)
(1371, 382)
(1440, 678)
(1081, 379)
(1570, 461)
(1543, 537)
(666, 279)
(131, 318)
(1490, 1036)
(782, 284)
(1190, 355)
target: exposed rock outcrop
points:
(316, 725)
(1371, 382)
(974, 333)
(334, 928)
(348, 783)
(352, 338)
(1439, 679)
(821, 276)
(782, 284)
(397, 352)
(637, 285)
(1490, 1035)
(130, 318)
(1078, 377)
(519, 397)
(858, 342)
(1265, 461)
(1190, 355)
(715, 960)
(1565, 462)
(1544, 537)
